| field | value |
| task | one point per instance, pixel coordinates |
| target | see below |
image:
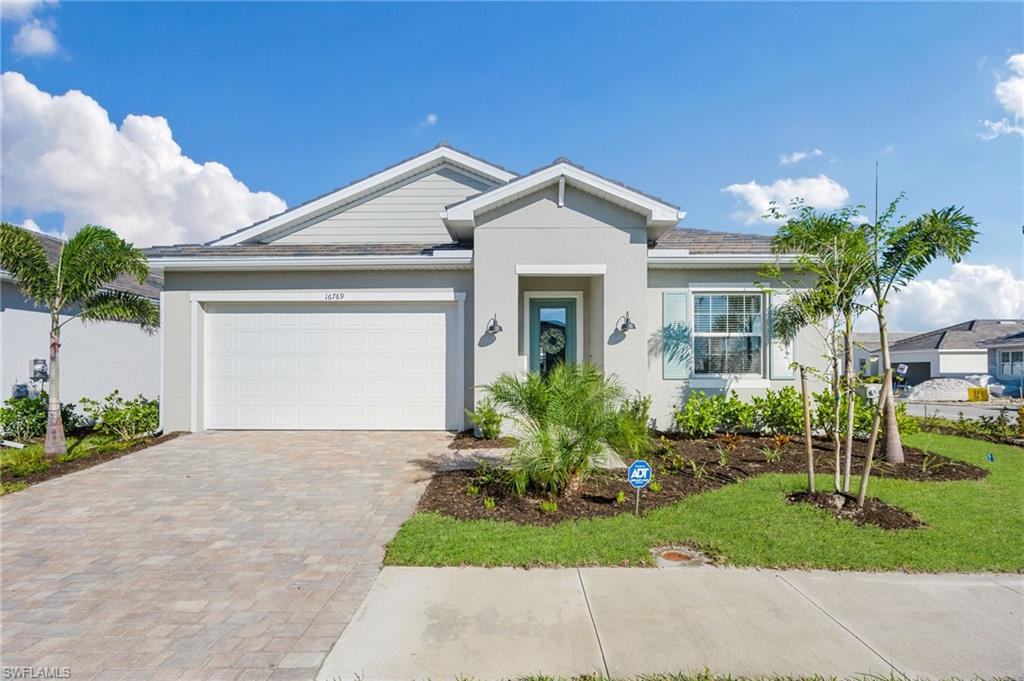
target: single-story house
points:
(388, 303)
(1006, 360)
(865, 349)
(955, 351)
(96, 357)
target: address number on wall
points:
(334, 296)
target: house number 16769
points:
(333, 296)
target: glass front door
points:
(552, 332)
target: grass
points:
(972, 526)
(17, 464)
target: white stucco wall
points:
(96, 358)
(959, 363)
(178, 394)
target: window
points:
(727, 330)
(1011, 363)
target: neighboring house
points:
(1006, 359)
(96, 357)
(954, 351)
(386, 304)
(865, 350)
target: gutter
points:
(671, 259)
(461, 259)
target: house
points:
(967, 348)
(387, 303)
(1006, 359)
(865, 349)
(96, 357)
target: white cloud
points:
(797, 156)
(63, 154)
(1010, 93)
(32, 226)
(969, 292)
(821, 192)
(19, 10)
(430, 119)
(35, 38)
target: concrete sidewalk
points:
(505, 623)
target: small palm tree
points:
(74, 287)
(567, 420)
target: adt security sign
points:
(639, 474)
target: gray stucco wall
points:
(668, 394)
(534, 230)
(96, 358)
(177, 316)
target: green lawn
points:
(17, 464)
(977, 525)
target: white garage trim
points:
(198, 314)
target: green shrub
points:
(863, 416)
(737, 416)
(24, 418)
(620, 497)
(699, 415)
(568, 418)
(489, 503)
(19, 463)
(779, 412)
(548, 506)
(655, 486)
(123, 419)
(472, 490)
(487, 420)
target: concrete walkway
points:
(445, 623)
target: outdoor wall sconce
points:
(627, 323)
(493, 327)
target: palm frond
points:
(910, 248)
(23, 256)
(121, 306)
(93, 258)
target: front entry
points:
(552, 333)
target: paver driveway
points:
(223, 555)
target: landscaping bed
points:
(21, 468)
(750, 523)
(682, 467)
(875, 511)
(467, 440)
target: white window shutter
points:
(676, 344)
(781, 352)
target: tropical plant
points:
(567, 419)
(771, 454)
(487, 420)
(124, 419)
(735, 415)
(548, 506)
(24, 418)
(899, 250)
(779, 412)
(699, 416)
(489, 503)
(75, 287)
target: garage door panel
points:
(357, 366)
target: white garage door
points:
(330, 366)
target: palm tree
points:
(898, 254)
(75, 287)
(832, 248)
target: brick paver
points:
(222, 555)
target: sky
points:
(178, 122)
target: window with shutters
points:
(728, 331)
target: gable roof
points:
(1011, 339)
(403, 170)
(660, 215)
(150, 288)
(967, 335)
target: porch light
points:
(627, 323)
(493, 327)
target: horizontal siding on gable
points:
(406, 213)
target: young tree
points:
(898, 254)
(74, 286)
(830, 248)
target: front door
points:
(552, 332)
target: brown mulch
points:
(875, 512)
(447, 491)
(466, 440)
(59, 468)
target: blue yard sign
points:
(639, 475)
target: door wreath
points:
(552, 340)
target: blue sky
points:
(681, 100)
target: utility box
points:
(870, 391)
(977, 394)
